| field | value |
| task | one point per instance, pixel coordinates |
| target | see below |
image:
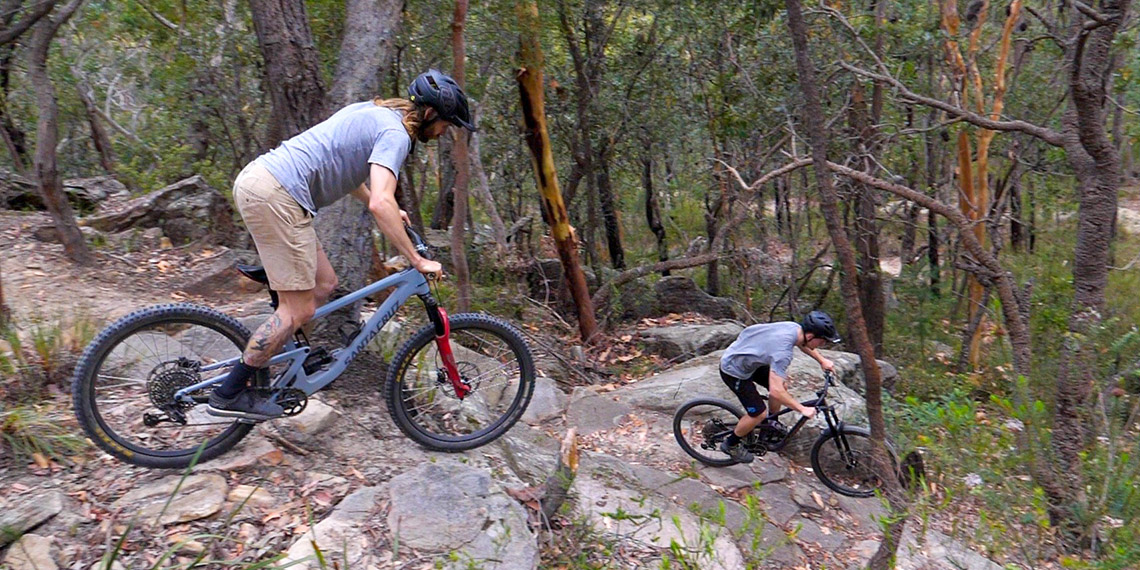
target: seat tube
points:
(442, 325)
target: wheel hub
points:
(468, 373)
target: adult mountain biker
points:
(359, 150)
(761, 355)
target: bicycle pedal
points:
(316, 359)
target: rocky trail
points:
(340, 483)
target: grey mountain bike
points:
(840, 456)
(140, 388)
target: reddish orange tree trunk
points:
(538, 139)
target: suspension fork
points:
(442, 325)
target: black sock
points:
(235, 380)
(732, 439)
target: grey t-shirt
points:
(325, 163)
(757, 345)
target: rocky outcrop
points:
(186, 211)
(682, 342)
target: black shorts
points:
(745, 389)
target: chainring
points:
(292, 400)
(168, 378)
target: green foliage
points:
(31, 431)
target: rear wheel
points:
(492, 358)
(125, 381)
(843, 460)
(700, 425)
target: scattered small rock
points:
(198, 496)
(30, 552)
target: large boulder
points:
(681, 342)
(678, 294)
(186, 211)
(445, 507)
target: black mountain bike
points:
(841, 456)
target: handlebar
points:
(418, 242)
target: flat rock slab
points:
(197, 497)
(592, 412)
(548, 402)
(30, 552)
(341, 534)
(936, 551)
(606, 486)
(252, 451)
(446, 507)
(22, 514)
(813, 533)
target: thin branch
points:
(12, 34)
(161, 19)
(1045, 134)
(1090, 12)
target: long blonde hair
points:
(413, 116)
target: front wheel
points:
(843, 460)
(700, 425)
(494, 361)
(124, 385)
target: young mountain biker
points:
(278, 194)
(761, 355)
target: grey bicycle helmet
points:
(440, 92)
(820, 324)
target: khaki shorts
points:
(281, 229)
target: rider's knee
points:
(325, 289)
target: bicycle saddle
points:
(255, 272)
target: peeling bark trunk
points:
(366, 49)
(47, 137)
(554, 209)
(866, 228)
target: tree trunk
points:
(292, 67)
(47, 137)
(14, 139)
(445, 205)
(812, 119)
(532, 98)
(99, 136)
(866, 228)
(609, 210)
(482, 192)
(367, 48)
(1096, 162)
(345, 227)
(5, 312)
(653, 209)
(462, 162)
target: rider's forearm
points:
(387, 214)
(812, 353)
(784, 397)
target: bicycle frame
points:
(820, 403)
(407, 283)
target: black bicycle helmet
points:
(442, 93)
(820, 324)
